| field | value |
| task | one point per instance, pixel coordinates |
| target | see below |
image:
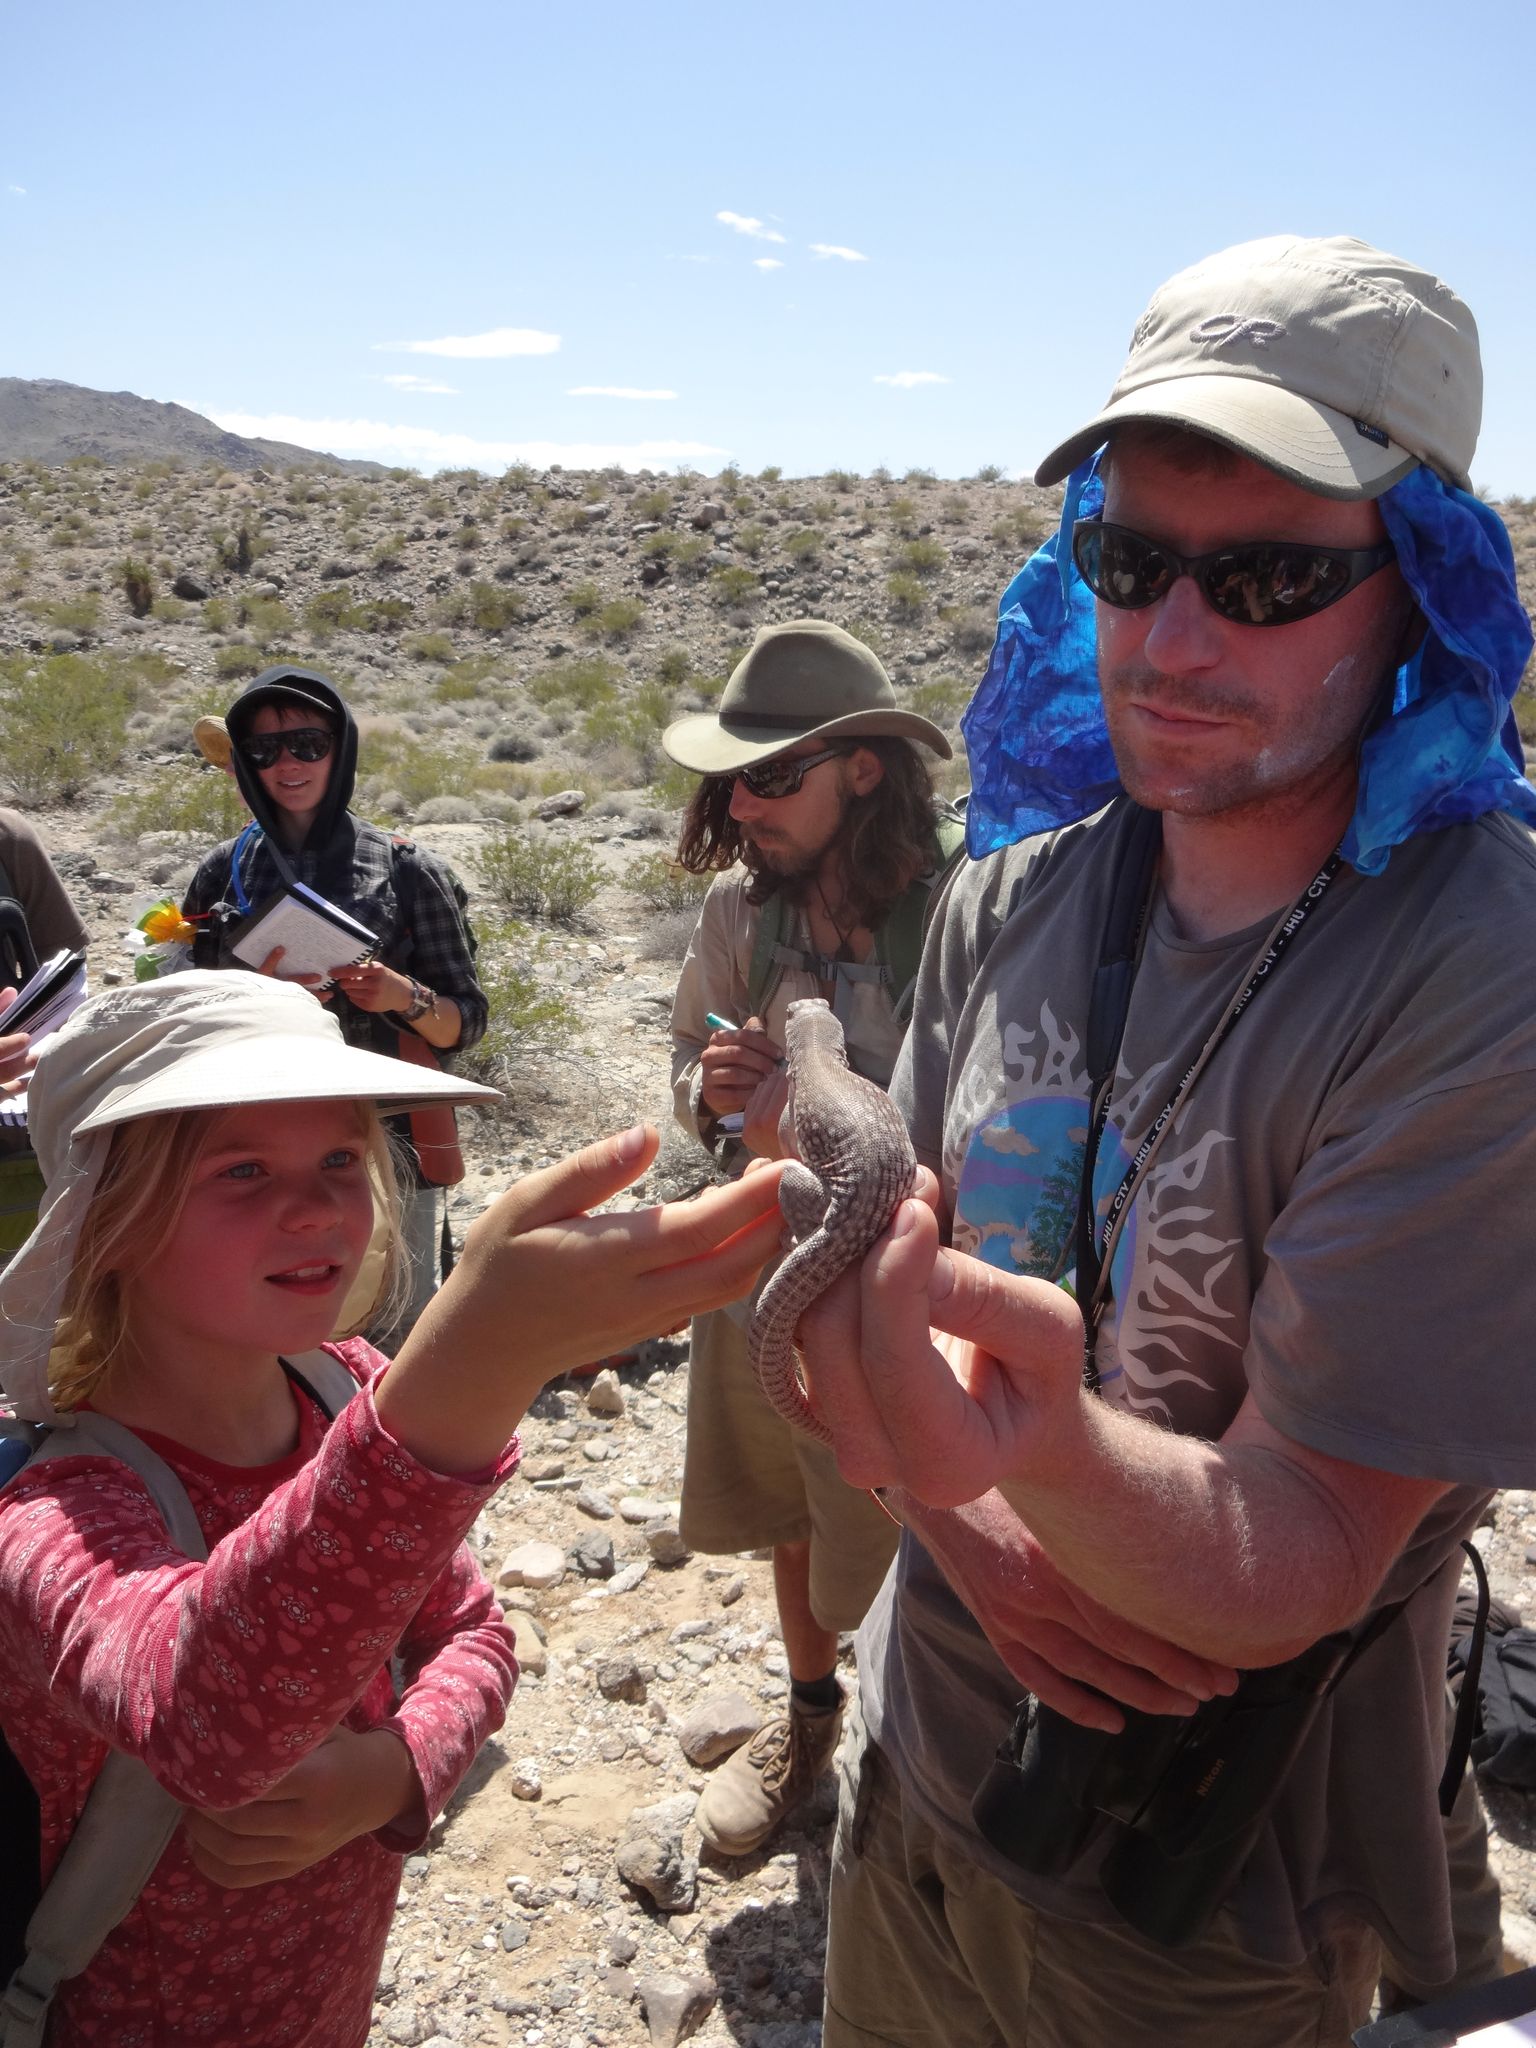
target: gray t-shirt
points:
(1339, 1219)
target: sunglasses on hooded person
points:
(306, 743)
(1250, 583)
(782, 776)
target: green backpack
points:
(898, 940)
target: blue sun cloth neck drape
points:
(1446, 752)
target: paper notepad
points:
(42, 1003)
(315, 936)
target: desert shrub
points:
(265, 618)
(550, 878)
(906, 592)
(941, 698)
(972, 628)
(217, 615)
(63, 720)
(517, 476)
(428, 646)
(334, 611)
(484, 606)
(989, 473)
(468, 535)
(1020, 527)
(654, 504)
(903, 514)
(770, 475)
(584, 682)
(751, 539)
(239, 658)
(185, 796)
(583, 598)
(568, 518)
(734, 584)
(803, 547)
(170, 611)
(924, 556)
(78, 614)
(513, 746)
(390, 552)
(138, 580)
(690, 553)
(658, 881)
(419, 769)
(617, 619)
(659, 546)
(954, 510)
(841, 479)
(671, 786)
(526, 1014)
(674, 667)
(921, 477)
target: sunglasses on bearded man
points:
(781, 777)
(1251, 583)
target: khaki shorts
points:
(751, 1481)
(925, 1950)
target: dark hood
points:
(306, 682)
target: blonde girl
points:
(215, 1167)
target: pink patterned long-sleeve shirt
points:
(220, 1676)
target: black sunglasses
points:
(304, 742)
(1252, 583)
(770, 779)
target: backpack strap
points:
(766, 965)
(899, 940)
(128, 1816)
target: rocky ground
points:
(564, 1900)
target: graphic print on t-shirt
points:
(1016, 1207)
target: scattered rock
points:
(651, 1858)
(605, 1396)
(189, 588)
(731, 1591)
(720, 1723)
(618, 1678)
(533, 1564)
(665, 1544)
(595, 1504)
(565, 803)
(592, 1555)
(523, 1780)
(513, 1934)
(635, 1508)
(675, 2007)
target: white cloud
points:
(744, 224)
(19, 191)
(425, 448)
(499, 341)
(614, 391)
(825, 249)
(908, 380)
(403, 380)
(766, 263)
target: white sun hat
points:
(185, 1041)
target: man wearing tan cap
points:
(1223, 1061)
(816, 811)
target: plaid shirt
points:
(360, 870)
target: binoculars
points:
(1185, 1797)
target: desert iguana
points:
(855, 1165)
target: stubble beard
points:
(1278, 779)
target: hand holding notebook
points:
(315, 936)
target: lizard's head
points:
(808, 1022)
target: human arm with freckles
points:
(963, 1379)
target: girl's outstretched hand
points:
(543, 1286)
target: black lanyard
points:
(1108, 1013)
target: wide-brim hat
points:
(213, 741)
(804, 679)
(186, 1041)
(1330, 362)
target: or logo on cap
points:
(1225, 330)
(1371, 433)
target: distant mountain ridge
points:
(43, 419)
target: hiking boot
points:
(767, 1778)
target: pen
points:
(719, 1023)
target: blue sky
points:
(254, 210)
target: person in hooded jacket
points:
(294, 756)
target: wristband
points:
(423, 1002)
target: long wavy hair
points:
(141, 1193)
(886, 839)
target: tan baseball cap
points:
(804, 679)
(1328, 361)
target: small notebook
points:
(47, 998)
(315, 935)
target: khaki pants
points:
(751, 1480)
(927, 1951)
